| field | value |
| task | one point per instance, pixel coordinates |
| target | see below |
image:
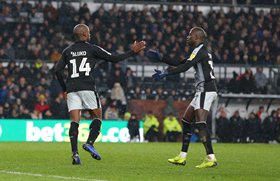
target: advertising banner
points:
(57, 131)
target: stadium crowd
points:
(31, 91)
(39, 33)
(257, 127)
(42, 31)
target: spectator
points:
(112, 112)
(237, 127)
(247, 82)
(58, 107)
(129, 79)
(269, 127)
(170, 107)
(261, 114)
(24, 113)
(42, 104)
(133, 126)
(171, 128)
(233, 85)
(223, 127)
(253, 128)
(151, 126)
(117, 95)
(261, 81)
(2, 116)
(35, 114)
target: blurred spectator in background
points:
(233, 86)
(116, 75)
(261, 114)
(247, 82)
(237, 127)
(58, 107)
(170, 107)
(7, 112)
(47, 114)
(223, 127)
(129, 79)
(35, 114)
(151, 127)
(117, 94)
(253, 128)
(24, 113)
(112, 112)
(269, 127)
(2, 116)
(261, 81)
(133, 126)
(171, 128)
(42, 104)
(127, 116)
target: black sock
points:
(204, 136)
(94, 131)
(187, 134)
(73, 134)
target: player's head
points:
(81, 32)
(196, 36)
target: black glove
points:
(159, 75)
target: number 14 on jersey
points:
(84, 67)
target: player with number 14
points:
(81, 57)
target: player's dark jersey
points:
(81, 58)
(201, 60)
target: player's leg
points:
(186, 137)
(94, 132)
(95, 125)
(91, 102)
(73, 134)
(74, 107)
(201, 115)
(187, 128)
(74, 129)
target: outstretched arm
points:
(180, 68)
(105, 55)
(189, 62)
(155, 55)
(172, 62)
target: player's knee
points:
(95, 125)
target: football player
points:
(206, 92)
(81, 57)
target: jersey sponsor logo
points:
(194, 52)
(80, 53)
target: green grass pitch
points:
(137, 161)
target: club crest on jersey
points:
(194, 52)
(80, 53)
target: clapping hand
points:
(138, 46)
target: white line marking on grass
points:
(46, 176)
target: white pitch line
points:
(48, 176)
